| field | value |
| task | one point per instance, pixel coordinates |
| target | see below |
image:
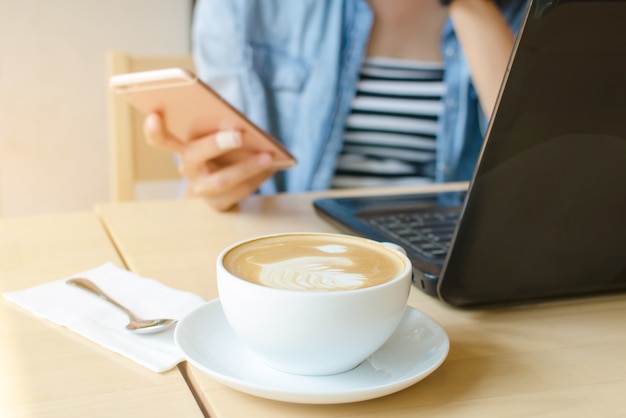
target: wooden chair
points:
(133, 161)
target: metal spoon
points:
(137, 325)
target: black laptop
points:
(545, 212)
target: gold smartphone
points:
(192, 109)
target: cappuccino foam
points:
(314, 262)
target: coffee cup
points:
(313, 303)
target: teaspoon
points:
(137, 325)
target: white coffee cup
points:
(297, 299)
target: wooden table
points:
(553, 359)
(47, 370)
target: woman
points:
(304, 72)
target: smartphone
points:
(192, 109)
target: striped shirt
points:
(390, 132)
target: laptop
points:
(545, 213)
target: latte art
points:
(311, 263)
(311, 273)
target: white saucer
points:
(415, 350)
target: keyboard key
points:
(425, 232)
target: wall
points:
(53, 122)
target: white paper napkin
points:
(103, 323)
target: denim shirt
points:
(292, 68)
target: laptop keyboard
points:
(425, 232)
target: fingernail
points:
(264, 159)
(228, 139)
(152, 121)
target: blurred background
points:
(54, 155)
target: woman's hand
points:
(204, 161)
